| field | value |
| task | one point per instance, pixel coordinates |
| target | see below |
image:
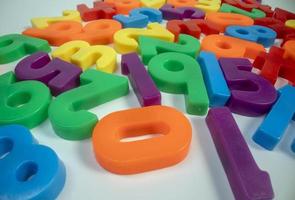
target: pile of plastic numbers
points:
(205, 50)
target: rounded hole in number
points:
(261, 30)
(242, 31)
(173, 66)
(6, 43)
(6, 146)
(26, 171)
(223, 45)
(143, 132)
(18, 99)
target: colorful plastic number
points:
(153, 3)
(248, 5)
(283, 15)
(181, 3)
(208, 5)
(95, 32)
(225, 46)
(24, 102)
(222, 20)
(251, 94)
(170, 12)
(28, 170)
(83, 55)
(44, 22)
(273, 64)
(139, 17)
(126, 39)
(67, 112)
(272, 129)
(58, 75)
(180, 74)
(217, 88)
(15, 46)
(254, 33)
(132, 157)
(150, 47)
(193, 27)
(247, 181)
(100, 10)
(255, 13)
(144, 87)
(124, 6)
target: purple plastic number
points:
(57, 74)
(247, 181)
(170, 12)
(251, 94)
(144, 87)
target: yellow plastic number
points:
(126, 39)
(68, 15)
(82, 54)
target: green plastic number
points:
(255, 13)
(181, 74)
(15, 46)
(150, 47)
(68, 112)
(24, 102)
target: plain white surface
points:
(199, 176)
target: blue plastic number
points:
(216, 85)
(28, 170)
(274, 125)
(259, 34)
(139, 17)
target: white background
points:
(199, 176)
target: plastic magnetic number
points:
(248, 5)
(251, 94)
(283, 15)
(255, 13)
(277, 25)
(153, 3)
(170, 12)
(67, 112)
(247, 181)
(208, 5)
(100, 10)
(28, 170)
(126, 39)
(273, 64)
(150, 47)
(95, 32)
(255, 33)
(15, 46)
(217, 88)
(272, 129)
(225, 46)
(222, 20)
(139, 17)
(68, 15)
(83, 55)
(24, 102)
(58, 75)
(124, 6)
(181, 3)
(145, 89)
(180, 74)
(132, 157)
(193, 27)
